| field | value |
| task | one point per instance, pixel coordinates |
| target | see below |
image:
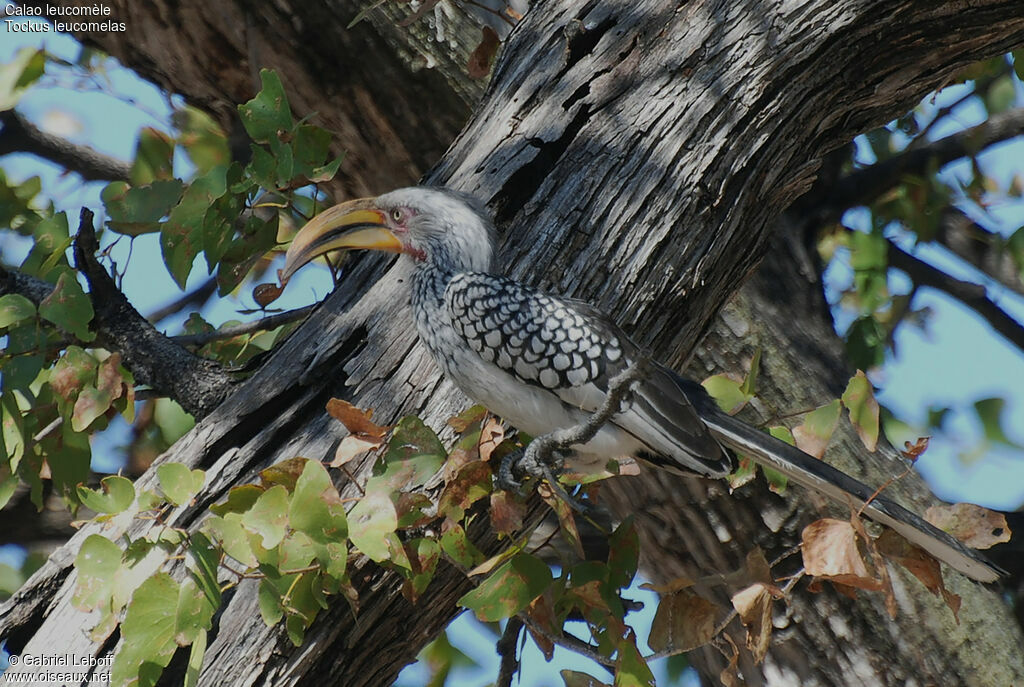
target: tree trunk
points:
(636, 154)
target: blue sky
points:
(955, 361)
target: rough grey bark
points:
(637, 154)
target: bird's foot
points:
(540, 463)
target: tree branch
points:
(19, 135)
(32, 288)
(198, 385)
(506, 648)
(262, 324)
(197, 297)
(983, 249)
(970, 294)
(864, 185)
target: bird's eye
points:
(396, 215)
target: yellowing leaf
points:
(727, 392)
(814, 434)
(510, 589)
(979, 528)
(859, 399)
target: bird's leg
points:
(544, 457)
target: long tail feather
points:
(838, 486)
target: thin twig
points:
(506, 648)
(197, 296)
(864, 185)
(567, 641)
(972, 295)
(19, 135)
(262, 324)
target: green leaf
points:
(868, 251)
(203, 140)
(154, 157)
(69, 308)
(460, 549)
(631, 670)
(181, 237)
(178, 483)
(71, 373)
(51, 238)
(12, 430)
(575, 678)
(865, 343)
(285, 159)
(750, 381)
(262, 167)
(195, 660)
(96, 563)
(233, 538)
(414, 455)
(91, 404)
(18, 74)
(370, 522)
(1001, 95)
(859, 399)
(509, 589)
(623, 554)
(67, 454)
(310, 148)
(777, 482)
(116, 495)
(814, 434)
(326, 172)
(990, 412)
(257, 237)
(194, 613)
(269, 516)
(316, 507)
(727, 392)
(296, 551)
(135, 210)
(285, 473)
(746, 471)
(205, 557)
(240, 499)
(148, 633)
(268, 112)
(14, 308)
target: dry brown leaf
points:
(669, 587)
(480, 59)
(921, 565)
(356, 420)
(879, 563)
(979, 528)
(491, 436)
(754, 604)
(542, 612)
(730, 675)
(758, 569)
(506, 513)
(461, 422)
(830, 551)
(683, 621)
(353, 446)
(265, 294)
(913, 451)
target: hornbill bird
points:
(545, 363)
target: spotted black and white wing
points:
(570, 350)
